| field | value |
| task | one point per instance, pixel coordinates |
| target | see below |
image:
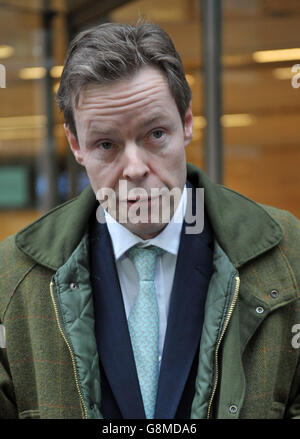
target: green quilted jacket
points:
(249, 351)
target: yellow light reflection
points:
(227, 121)
(39, 72)
(190, 79)
(263, 56)
(199, 122)
(6, 51)
(55, 88)
(56, 71)
(283, 73)
(32, 73)
(237, 120)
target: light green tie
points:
(143, 323)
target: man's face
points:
(131, 131)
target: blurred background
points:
(243, 72)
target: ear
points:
(75, 148)
(188, 126)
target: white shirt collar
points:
(168, 239)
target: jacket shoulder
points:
(286, 219)
(52, 238)
(14, 264)
(290, 243)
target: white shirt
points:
(168, 240)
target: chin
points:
(145, 230)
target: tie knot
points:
(144, 260)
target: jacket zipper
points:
(52, 284)
(231, 308)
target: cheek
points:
(171, 169)
(101, 175)
(177, 166)
(176, 158)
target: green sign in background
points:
(14, 186)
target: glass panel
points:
(260, 104)
(23, 118)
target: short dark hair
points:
(113, 51)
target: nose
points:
(135, 166)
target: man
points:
(115, 311)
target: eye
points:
(106, 146)
(157, 134)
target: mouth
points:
(141, 200)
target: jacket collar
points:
(51, 239)
(242, 228)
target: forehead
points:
(145, 91)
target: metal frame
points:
(49, 155)
(212, 30)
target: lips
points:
(140, 200)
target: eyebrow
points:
(95, 129)
(101, 131)
(158, 117)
